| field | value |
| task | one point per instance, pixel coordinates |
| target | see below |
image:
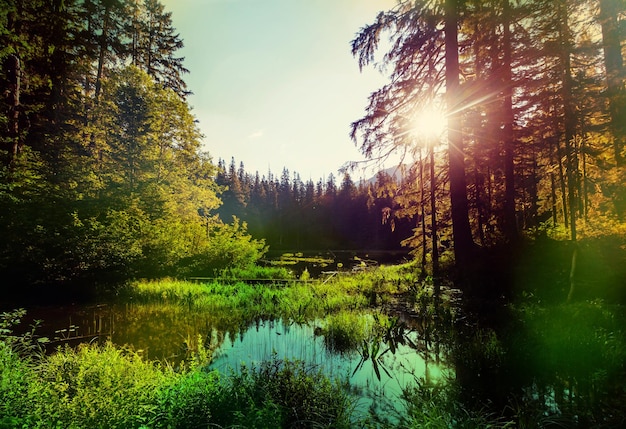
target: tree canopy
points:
(102, 176)
(533, 92)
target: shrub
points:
(95, 387)
(14, 377)
(189, 402)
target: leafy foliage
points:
(104, 179)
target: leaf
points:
(375, 364)
(359, 366)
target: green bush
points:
(228, 245)
(14, 378)
(95, 387)
(276, 394)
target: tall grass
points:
(108, 387)
(345, 331)
(296, 300)
(245, 301)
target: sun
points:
(429, 124)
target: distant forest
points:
(290, 213)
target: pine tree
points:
(155, 45)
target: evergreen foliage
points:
(101, 173)
(533, 107)
(290, 213)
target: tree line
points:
(292, 214)
(101, 172)
(535, 100)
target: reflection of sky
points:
(298, 342)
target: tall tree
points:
(462, 232)
(614, 66)
(155, 46)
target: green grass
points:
(108, 387)
(257, 272)
(345, 331)
(296, 301)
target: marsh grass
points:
(257, 272)
(345, 331)
(111, 387)
(297, 301)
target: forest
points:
(508, 303)
(304, 215)
(103, 173)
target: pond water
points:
(319, 262)
(279, 339)
(563, 360)
(168, 332)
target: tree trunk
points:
(461, 230)
(614, 64)
(422, 212)
(14, 78)
(433, 218)
(569, 117)
(510, 225)
(103, 49)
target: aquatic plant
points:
(257, 272)
(344, 331)
(436, 405)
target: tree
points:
(425, 59)
(614, 65)
(463, 243)
(155, 43)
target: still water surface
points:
(165, 331)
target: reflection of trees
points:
(426, 328)
(560, 363)
(165, 331)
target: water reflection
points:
(168, 331)
(284, 340)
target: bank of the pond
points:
(529, 365)
(335, 318)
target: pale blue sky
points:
(274, 82)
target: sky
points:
(274, 82)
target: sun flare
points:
(429, 124)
